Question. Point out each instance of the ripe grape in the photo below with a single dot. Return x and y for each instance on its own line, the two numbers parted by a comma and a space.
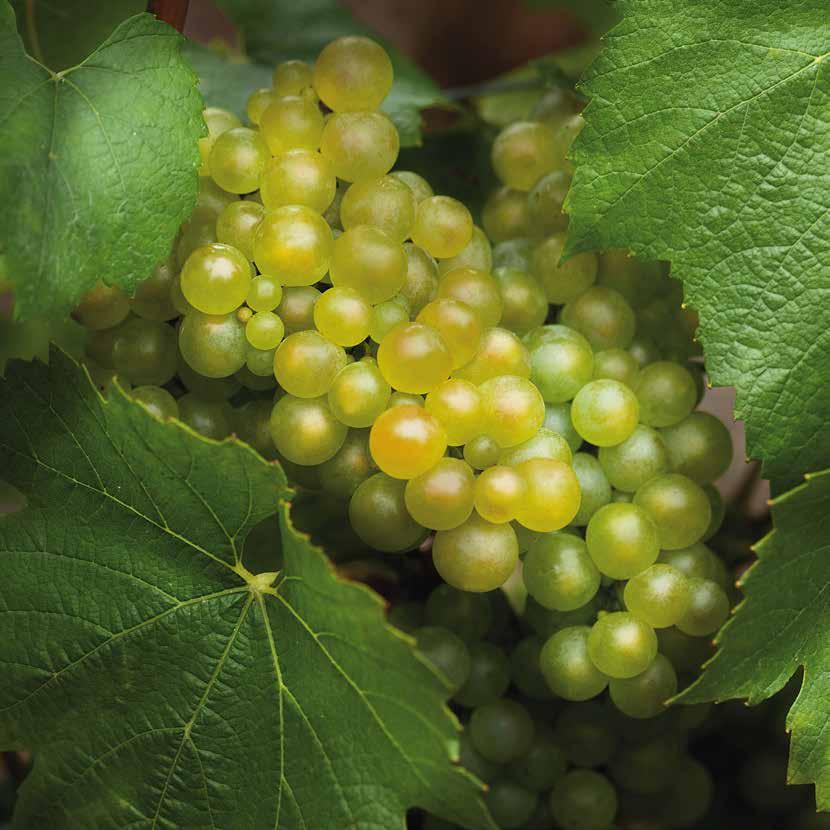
524, 306
296, 307
360, 145
386, 316
666, 392
291, 77
458, 325
305, 430
378, 514
236, 226
560, 367
659, 595
264, 331
420, 284
498, 492
476, 254
144, 351
559, 573
523, 152
385, 203
104, 307
237, 159
218, 121
634, 461
342, 316
291, 122
544, 444
159, 401
707, 610
481, 452
414, 358
298, 177
442, 497
476, 289
500, 352
358, 394
552, 494
562, 282
457, 404
678, 507
369, 261
152, 299
502, 731
420, 187
699, 446
443, 226
596, 491
265, 293
513, 409
349, 467
605, 412
567, 668
257, 102
603, 316
622, 540
621, 646
645, 695
616, 364
406, 441
212, 419
352, 73
306, 364
505, 215
447, 652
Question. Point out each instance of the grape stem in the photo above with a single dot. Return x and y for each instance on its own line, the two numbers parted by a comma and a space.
173, 12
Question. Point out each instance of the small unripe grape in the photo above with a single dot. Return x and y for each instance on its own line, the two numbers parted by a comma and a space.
306, 364
265, 293
502, 731
104, 307
707, 610
214, 346
558, 572
513, 409
499, 491
305, 430
387, 316
457, 404
264, 330
386, 203
369, 261
523, 152
524, 306
260, 362
291, 77
447, 652
152, 299
699, 447
157, 400
476, 254
216, 278
553, 494
584, 800
296, 307
257, 103
596, 491
666, 392
546, 200
378, 514
298, 177
489, 673
358, 394
406, 441
621, 646
616, 364
218, 121
421, 282
420, 187
659, 595
678, 507
414, 358
644, 351
567, 668
212, 419
291, 122
622, 540
560, 367
543, 444
603, 316
477, 555
481, 452
505, 215
476, 289
443, 226
500, 352
468, 615
237, 225
633, 462
442, 497
562, 281
343, 316
345, 471
352, 73
458, 325
360, 145
237, 160
558, 419
605, 412
293, 244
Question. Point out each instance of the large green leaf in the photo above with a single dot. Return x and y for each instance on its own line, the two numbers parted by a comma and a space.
99, 162
784, 623
707, 143
158, 681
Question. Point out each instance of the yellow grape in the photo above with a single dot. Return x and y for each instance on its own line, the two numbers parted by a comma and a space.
414, 358
291, 123
368, 260
442, 497
237, 160
406, 441
500, 352
306, 364
443, 226
216, 278
458, 325
291, 77
513, 409
478, 289
456, 403
499, 491
386, 203
352, 73
553, 494
257, 103
343, 316
360, 145
298, 177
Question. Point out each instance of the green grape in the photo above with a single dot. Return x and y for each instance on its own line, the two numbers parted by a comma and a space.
406, 441
208, 389
442, 497
212, 200
265, 293
477, 555
443, 226
524, 152
603, 316
525, 538
157, 400
385, 317
459, 327
407, 616
199, 230
544, 444
476, 254
587, 734
403, 399
645, 695
385, 203
558, 572
500, 352
686, 653
212, 419
447, 653
471, 759
260, 362
291, 122
708, 608
237, 159
294, 245
565, 133
605, 412
699, 447
553, 494
502, 731
552, 333
420, 284
567, 668
659, 595
561, 367
616, 364
542, 818
584, 800
631, 463
511, 805
343, 316
370, 262
562, 282
360, 145
378, 514
104, 307
358, 394
420, 187
218, 121
542, 765
468, 615
352, 73
558, 419
621, 646
144, 352
291, 77
513, 409
349, 467
689, 796
264, 330
177, 299
637, 280
546, 623
481, 452
666, 392
237, 225
251, 423
216, 278
505, 215
305, 431
152, 296
545, 202
524, 305
596, 491
498, 492
476, 289
678, 507
298, 177
257, 102
718, 511
296, 307
644, 350
414, 358
252, 381
488, 678
514, 253
620, 497
696, 561
622, 540
457, 404
306, 364
647, 768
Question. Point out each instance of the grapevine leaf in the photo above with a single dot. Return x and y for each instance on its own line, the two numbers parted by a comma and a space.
155, 678
99, 163
784, 623
158, 680
707, 143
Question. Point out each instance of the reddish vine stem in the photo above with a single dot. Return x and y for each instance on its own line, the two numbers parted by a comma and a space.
173, 12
